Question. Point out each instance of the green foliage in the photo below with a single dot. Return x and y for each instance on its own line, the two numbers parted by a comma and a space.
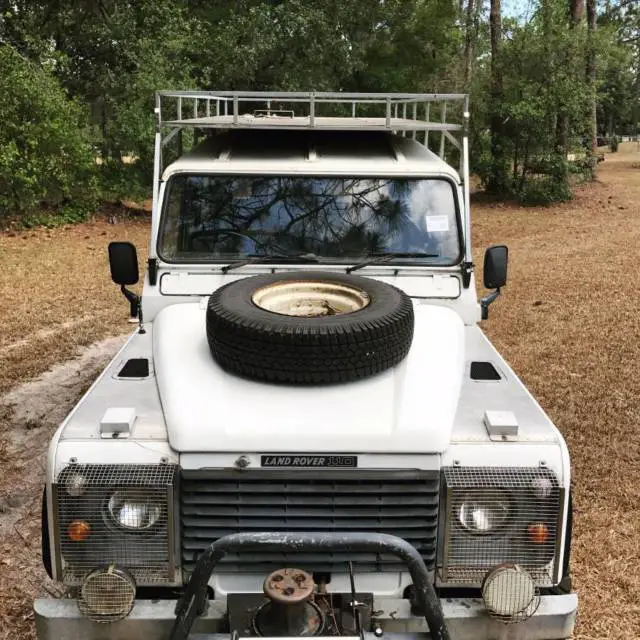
71, 213
365, 45
76, 71
547, 182
544, 191
544, 108
619, 57
45, 154
123, 180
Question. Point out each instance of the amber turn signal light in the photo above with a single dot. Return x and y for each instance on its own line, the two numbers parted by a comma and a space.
78, 530
538, 533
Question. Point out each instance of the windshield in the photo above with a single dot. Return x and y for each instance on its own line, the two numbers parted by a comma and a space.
221, 218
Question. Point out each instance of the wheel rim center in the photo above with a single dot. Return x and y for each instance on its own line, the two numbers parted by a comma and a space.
310, 299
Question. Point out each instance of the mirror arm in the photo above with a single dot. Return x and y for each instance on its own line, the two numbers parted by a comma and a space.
486, 301
134, 301
135, 309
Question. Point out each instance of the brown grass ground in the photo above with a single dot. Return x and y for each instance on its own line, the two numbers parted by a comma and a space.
568, 322
57, 294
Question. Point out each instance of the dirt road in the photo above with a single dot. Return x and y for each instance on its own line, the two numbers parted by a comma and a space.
568, 323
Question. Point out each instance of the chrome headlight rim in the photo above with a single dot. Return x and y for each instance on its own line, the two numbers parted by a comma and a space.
137, 495
488, 496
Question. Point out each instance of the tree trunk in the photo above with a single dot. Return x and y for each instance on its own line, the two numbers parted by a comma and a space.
469, 37
576, 10
497, 179
592, 146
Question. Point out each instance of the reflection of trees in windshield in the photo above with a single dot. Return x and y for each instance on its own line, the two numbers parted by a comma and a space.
219, 217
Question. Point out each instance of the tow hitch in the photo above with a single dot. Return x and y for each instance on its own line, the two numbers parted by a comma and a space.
289, 609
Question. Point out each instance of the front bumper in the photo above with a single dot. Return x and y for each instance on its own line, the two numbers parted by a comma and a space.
466, 618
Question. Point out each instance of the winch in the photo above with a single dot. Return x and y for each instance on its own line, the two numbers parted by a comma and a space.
289, 610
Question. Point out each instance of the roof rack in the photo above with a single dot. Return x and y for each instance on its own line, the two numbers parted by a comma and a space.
408, 114
399, 112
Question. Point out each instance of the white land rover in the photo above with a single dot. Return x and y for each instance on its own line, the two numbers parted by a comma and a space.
308, 433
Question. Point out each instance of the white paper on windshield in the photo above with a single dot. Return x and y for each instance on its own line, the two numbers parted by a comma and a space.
437, 223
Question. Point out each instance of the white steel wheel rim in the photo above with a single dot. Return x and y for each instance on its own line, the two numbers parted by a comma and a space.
310, 299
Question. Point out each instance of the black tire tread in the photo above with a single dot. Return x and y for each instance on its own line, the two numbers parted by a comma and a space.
259, 345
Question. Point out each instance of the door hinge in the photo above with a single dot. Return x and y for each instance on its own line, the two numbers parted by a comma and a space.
153, 270
467, 270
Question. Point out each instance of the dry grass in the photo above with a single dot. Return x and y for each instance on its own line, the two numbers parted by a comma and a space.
57, 294
568, 323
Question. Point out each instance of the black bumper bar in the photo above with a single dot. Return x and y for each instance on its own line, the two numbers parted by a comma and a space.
193, 600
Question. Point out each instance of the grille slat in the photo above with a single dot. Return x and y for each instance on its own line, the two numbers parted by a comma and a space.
402, 529
398, 501
305, 511
326, 488
217, 503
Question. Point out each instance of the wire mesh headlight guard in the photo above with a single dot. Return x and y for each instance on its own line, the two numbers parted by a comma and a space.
116, 514
496, 515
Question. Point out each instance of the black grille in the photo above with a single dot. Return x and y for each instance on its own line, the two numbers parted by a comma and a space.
217, 503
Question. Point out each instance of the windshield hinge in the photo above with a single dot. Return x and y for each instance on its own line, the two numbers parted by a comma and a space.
467, 270
152, 263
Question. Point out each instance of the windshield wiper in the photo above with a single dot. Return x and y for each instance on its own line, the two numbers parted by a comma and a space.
375, 258
271, 258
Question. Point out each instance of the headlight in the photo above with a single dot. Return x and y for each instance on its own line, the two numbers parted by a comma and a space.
484, 513
134, 510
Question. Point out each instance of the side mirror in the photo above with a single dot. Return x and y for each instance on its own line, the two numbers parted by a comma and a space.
495, 266
123, 262
495, 274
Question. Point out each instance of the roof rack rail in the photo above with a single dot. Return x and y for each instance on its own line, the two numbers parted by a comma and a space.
399, 112
406, 114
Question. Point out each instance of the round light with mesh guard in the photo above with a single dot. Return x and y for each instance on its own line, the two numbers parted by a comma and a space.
510, 594
107, 594
134, 510
484, 513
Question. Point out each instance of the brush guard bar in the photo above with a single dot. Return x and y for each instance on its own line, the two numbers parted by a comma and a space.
193, 600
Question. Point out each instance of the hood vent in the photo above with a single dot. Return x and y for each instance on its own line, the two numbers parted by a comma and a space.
135, 368
484, 371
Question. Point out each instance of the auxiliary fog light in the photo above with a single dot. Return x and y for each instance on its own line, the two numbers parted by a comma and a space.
107, 594
510, 594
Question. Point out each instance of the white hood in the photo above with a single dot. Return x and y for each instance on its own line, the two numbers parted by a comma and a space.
407, 409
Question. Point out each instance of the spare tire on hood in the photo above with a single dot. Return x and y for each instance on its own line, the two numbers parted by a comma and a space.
308, 327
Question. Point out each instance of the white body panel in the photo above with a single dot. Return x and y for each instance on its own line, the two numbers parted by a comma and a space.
407, 409
416, 285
